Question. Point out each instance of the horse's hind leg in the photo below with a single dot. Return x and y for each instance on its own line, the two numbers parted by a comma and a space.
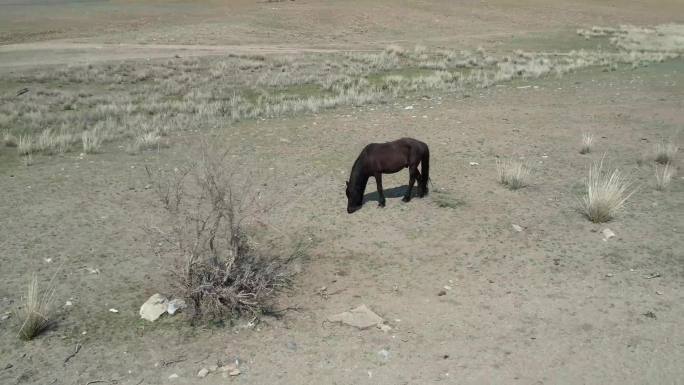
381, 194
413, 174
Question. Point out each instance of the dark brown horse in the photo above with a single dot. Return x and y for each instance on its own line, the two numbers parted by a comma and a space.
387, 158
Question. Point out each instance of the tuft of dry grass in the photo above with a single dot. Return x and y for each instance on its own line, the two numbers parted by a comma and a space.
91, 142
46, 142
9, 140
665, 152
606, 193
587, 143
36, 309
513, 173
664, 176
149, 140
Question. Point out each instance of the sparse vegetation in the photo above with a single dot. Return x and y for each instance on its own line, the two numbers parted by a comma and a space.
217, 270
35, 314
587, 142
513, 173
606, 193
195, 94
663, 175
665, 152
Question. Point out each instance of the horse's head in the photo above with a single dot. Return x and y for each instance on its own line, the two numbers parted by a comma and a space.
354, 199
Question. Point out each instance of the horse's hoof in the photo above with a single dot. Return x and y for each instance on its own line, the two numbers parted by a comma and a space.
406, 199
381, 204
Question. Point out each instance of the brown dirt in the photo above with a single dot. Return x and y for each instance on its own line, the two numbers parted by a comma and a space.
551, 304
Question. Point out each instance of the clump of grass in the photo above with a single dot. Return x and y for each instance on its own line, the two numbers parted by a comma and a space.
91, 142
25, 145
149, 140
9, 140
665, 152
664, 176
587, 142
606, 193
25, 149
46, 142
446, 200
36, 310
513, 173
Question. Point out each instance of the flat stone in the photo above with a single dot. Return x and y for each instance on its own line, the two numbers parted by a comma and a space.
607, 234
154, 307
234, 372
361, 317
203, 373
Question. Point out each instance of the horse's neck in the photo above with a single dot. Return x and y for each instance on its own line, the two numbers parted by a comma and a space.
360, 179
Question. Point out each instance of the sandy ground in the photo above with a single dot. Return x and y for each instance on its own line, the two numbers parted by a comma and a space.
554, 303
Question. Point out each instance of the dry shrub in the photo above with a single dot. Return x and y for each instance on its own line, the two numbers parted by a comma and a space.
606, 194
664, 176
216, 270
35, 312
665, 152
587, 142
513, 173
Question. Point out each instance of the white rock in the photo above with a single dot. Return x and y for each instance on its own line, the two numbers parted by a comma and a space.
203, 373
173, 376
607, 234
385, 328
175, 305
154, 307
474, 164
112, 310
68, 303
408, 107
227, 367
517, 228
384, 354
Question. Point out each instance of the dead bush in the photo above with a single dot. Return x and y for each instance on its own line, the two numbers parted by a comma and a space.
215, 268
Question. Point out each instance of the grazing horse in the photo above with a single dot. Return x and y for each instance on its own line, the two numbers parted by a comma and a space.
387, 158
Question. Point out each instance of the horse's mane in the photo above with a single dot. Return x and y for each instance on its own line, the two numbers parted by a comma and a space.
357, 180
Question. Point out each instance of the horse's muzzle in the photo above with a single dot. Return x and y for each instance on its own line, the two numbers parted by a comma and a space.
351, 209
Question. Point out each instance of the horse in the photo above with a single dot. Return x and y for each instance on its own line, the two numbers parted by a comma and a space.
388, 158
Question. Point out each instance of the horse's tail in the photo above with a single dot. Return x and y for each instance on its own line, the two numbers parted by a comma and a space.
425, 170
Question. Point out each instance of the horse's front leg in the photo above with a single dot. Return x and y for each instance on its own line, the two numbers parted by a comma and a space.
412, 180
381, 194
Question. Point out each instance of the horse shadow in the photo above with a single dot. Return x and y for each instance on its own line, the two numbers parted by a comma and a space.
394, 192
